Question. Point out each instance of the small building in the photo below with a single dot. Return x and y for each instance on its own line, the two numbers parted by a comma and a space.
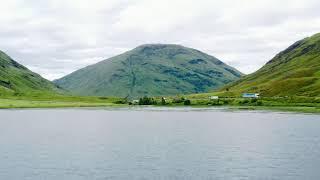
250, 95
214, 97
135, 102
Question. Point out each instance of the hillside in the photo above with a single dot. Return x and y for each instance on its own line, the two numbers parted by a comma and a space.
17, 79
153, 70
294, 71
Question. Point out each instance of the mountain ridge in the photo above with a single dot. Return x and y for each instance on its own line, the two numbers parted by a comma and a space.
151, 69
17, 79
293, 71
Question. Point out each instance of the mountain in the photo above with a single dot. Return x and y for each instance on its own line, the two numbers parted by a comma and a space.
15, 78
152, 70
294, 71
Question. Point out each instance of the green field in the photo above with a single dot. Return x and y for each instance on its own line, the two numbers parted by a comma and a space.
295, 104
58, 102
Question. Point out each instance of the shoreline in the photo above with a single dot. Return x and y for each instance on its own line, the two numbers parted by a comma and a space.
38, 104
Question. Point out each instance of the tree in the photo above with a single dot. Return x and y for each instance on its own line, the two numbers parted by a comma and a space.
187, 102
178, 100
146, 101
163, 101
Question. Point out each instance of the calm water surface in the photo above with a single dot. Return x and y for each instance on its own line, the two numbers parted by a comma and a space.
88, 144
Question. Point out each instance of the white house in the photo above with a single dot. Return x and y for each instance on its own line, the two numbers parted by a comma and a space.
250, 95
135, 102
214, 97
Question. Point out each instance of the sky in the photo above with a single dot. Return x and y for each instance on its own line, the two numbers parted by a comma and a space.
56, 37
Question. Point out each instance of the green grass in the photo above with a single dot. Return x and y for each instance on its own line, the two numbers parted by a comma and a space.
12, 103
294, 103
293, 72
58, 102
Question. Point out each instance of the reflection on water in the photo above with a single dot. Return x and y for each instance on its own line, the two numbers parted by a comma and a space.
156, 143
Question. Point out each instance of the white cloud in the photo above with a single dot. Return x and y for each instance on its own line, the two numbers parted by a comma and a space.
56, 37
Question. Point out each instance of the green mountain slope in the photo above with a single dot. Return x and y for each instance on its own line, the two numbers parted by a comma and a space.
17, 79
154, 69
294, 71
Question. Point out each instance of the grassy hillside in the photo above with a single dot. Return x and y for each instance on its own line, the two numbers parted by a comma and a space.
16, 79
151, 70
293, 72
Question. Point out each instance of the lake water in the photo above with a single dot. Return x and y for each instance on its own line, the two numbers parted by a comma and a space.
153, 143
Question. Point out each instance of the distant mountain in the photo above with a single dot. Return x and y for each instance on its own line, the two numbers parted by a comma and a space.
153, 70
294, 71
15, 78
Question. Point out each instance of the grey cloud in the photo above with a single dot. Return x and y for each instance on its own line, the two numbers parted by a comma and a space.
55, 37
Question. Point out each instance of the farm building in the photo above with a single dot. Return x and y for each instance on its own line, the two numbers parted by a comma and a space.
213, 97
250, 95
135, 102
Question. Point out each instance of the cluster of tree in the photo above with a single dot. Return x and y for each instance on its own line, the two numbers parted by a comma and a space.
187, 102
254, 102
216, 102
151, 101
181, 100
178, 100
147, 101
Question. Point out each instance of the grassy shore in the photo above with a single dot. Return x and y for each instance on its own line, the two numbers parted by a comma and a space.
292, 104
299, 109
58, 102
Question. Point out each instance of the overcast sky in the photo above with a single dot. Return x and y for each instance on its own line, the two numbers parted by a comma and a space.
56, 37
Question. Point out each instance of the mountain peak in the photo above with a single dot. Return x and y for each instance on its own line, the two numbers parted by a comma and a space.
152, 70
159, 45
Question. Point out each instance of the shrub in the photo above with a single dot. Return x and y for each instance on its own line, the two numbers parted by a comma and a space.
229, 101
259, 103
163, 101
147, 101
201, 102
187, 102
246, 101
254, 100
103, 98
225, 101
178, 100
121, 101
215, 102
